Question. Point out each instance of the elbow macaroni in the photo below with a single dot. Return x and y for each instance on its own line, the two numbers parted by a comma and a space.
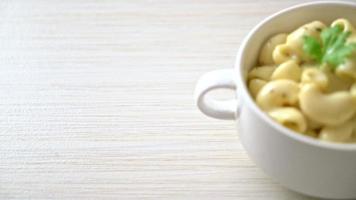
255, 86
347, 69
329, 109
287, 70
266, 51
289, 117
263, 73
345, 24
341, 133
277, 94
303, 97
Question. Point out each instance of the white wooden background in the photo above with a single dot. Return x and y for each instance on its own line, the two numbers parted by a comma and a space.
96, 100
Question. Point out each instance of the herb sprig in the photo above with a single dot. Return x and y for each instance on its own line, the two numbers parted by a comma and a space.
332, 49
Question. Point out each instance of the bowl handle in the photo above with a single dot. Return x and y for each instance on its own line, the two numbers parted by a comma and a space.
220, 109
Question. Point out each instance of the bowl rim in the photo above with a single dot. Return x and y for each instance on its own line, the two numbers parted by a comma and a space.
241, 84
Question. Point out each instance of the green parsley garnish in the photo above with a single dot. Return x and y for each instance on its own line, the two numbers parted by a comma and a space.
332, 49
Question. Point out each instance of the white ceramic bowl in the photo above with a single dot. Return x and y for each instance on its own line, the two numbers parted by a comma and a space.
303, 164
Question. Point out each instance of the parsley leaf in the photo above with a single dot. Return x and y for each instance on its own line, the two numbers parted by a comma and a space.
313, 48
332, 49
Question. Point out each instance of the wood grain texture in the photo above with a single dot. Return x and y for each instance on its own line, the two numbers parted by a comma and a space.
96, 100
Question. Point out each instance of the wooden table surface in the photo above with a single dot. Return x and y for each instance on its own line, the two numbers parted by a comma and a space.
96, 100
